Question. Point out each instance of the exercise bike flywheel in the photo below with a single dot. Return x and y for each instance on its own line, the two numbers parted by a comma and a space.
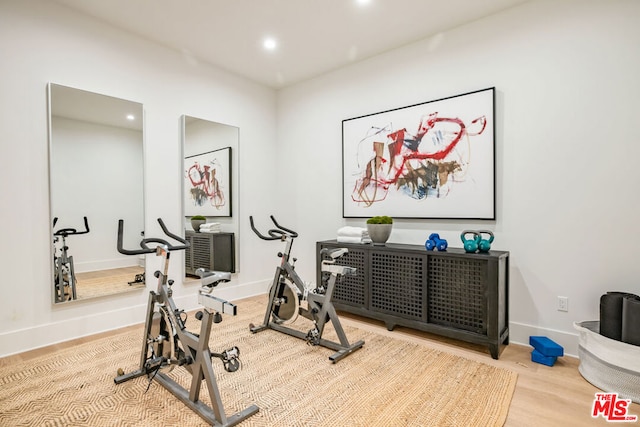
286, 304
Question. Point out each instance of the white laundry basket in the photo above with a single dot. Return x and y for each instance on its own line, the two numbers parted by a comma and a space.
612, 366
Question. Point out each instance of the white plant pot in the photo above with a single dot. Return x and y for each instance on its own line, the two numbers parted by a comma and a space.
196, 223
379, 233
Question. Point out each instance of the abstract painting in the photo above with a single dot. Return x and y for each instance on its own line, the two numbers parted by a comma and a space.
430, 160
207, 183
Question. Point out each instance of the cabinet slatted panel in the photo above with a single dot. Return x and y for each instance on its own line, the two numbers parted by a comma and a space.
201, 253
211, 251
187, 253
396, 284
456, 293
349, 289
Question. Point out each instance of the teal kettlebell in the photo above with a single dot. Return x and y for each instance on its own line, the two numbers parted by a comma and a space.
470, 245
485, 244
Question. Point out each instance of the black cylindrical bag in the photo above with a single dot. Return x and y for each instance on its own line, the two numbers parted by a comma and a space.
611, 314
631, 320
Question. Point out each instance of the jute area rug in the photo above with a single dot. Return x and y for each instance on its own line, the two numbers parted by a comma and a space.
389, 382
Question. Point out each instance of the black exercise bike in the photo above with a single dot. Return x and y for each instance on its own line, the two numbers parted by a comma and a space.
288, 292
167, 343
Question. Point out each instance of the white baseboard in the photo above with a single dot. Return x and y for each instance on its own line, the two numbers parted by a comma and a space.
519, 333
43, 335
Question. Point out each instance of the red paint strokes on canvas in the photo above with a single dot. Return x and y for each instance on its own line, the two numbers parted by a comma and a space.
410, 165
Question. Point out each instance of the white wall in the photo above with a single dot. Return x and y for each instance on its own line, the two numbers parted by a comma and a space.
566, 75
41, 42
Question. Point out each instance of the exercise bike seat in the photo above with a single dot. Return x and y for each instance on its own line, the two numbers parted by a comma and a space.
211, 279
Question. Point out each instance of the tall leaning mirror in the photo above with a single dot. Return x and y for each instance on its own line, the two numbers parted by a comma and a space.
210, 195
95, 178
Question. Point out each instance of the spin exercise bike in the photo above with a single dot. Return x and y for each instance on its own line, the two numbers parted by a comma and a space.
288, 291
64, 274
167, 343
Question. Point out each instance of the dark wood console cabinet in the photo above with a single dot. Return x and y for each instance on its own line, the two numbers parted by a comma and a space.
213, 251
451, 293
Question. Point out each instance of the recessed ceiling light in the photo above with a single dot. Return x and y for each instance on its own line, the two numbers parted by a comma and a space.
130, 117
363, 2
270, 43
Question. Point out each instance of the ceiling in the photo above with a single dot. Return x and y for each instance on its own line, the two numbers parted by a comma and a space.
313, 36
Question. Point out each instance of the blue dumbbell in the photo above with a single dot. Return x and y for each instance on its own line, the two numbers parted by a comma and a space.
435, 242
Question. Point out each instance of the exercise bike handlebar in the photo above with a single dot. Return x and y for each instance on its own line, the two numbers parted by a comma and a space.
277, 233
144, 243
70, 231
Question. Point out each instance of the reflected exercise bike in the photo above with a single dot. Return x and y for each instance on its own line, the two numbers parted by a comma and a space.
64, 273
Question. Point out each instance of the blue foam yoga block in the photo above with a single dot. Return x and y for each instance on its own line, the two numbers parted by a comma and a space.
546, 346
538, 357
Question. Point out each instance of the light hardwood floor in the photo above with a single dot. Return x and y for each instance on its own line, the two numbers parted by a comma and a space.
544, 396
100, 283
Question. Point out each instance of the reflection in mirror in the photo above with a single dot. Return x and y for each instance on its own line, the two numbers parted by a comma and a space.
95, 179
210, 183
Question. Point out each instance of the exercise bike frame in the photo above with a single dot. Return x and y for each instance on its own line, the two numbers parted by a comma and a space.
197, 355
320, 308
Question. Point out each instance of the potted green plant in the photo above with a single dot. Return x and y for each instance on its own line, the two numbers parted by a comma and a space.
379, 229
197, 221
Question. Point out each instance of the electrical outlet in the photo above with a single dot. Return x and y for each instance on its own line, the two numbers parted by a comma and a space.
563, 304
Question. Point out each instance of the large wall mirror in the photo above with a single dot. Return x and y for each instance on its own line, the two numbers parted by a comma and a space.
95, 172
210, 190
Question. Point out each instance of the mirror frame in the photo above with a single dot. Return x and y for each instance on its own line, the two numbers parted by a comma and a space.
82, 116
233, 220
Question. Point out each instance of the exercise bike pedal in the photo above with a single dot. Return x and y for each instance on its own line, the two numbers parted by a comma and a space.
313, 337
230, 359
231, 365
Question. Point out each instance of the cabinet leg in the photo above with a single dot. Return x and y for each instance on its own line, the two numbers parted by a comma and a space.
494, 349
390, 326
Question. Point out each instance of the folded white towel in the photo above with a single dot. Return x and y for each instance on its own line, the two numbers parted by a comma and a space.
348, 239
210, 226
348, 231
